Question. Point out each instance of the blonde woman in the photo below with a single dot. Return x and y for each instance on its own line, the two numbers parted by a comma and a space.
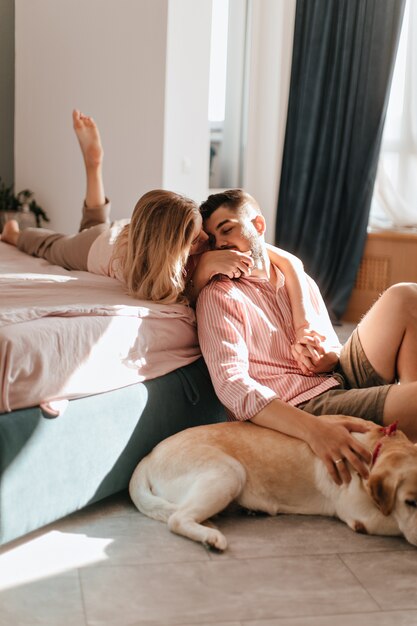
161, 254
151, 253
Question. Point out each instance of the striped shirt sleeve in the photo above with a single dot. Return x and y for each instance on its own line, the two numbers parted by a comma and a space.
221, 332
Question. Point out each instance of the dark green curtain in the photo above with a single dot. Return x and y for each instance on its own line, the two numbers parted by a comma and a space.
343, 59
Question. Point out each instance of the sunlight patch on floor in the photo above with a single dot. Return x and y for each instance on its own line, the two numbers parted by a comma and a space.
51, 554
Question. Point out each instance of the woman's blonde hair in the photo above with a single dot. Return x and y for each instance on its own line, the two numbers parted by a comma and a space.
152, 250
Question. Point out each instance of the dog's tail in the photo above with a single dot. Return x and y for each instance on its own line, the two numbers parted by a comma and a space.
148, 503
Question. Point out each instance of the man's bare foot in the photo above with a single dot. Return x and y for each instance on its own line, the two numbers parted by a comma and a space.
10, 232
89, 139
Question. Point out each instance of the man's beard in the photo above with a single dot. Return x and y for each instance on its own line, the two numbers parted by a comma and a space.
256, 246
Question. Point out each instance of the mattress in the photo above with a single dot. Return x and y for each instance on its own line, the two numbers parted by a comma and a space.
65, 335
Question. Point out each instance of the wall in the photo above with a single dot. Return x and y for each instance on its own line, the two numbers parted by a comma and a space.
141, 68
270, 71
109, 59
186, 146
6, 90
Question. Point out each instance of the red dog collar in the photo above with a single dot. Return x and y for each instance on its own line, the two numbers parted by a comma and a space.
387, 431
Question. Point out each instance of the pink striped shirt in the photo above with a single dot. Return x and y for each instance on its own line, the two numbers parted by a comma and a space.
245, 330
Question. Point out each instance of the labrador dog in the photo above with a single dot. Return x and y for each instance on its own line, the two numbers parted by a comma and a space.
195, 474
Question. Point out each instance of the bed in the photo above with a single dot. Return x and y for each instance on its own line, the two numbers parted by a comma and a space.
91, 380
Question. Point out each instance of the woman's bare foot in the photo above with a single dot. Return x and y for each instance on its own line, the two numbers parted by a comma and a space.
10, 232
92, 150
89, 139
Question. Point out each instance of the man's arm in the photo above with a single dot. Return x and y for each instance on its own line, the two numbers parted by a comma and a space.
328, 436
221, 334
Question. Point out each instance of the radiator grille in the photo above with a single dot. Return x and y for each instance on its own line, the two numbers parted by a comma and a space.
373, 274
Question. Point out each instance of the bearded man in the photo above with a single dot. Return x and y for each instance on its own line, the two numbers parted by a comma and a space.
258, 364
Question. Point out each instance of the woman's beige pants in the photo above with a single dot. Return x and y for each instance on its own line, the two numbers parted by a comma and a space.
68, 251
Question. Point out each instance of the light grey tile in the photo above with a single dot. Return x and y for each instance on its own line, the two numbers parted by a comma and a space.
162, 623
344, 331
116, 506
390, 577
49, 601
211, 624
136, 539
131, 537
379, 618
189, 593
260, 536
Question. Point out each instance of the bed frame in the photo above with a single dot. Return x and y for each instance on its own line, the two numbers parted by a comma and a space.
51, 467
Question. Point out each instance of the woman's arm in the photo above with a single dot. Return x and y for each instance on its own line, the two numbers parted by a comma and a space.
297, 286
316, 347
307, 339
231, 263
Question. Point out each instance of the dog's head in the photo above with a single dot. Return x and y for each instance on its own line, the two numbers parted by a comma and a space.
393, 485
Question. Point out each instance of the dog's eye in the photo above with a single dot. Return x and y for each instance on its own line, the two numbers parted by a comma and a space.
412, 503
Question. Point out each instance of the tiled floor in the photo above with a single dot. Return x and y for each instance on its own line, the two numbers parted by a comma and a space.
109, 565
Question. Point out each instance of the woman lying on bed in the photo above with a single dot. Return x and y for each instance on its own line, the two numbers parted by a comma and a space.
161, 253
152, 253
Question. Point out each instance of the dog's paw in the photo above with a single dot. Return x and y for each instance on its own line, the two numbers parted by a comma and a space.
215, 541
359, 527
250, 512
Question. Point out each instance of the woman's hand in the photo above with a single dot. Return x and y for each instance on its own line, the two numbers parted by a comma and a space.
311, 353
231, 263
331, 440
307, 349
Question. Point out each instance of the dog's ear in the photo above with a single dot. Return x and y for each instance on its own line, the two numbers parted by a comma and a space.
383, 487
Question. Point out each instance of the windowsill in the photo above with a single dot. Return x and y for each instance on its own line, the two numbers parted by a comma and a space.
393, 233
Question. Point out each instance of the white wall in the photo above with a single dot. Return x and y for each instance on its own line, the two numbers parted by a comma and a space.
6, 90
109, 58
269, 72
141, 68
187, 138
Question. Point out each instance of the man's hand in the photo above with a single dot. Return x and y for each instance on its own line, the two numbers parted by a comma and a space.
311, 353
331, 440
329, 436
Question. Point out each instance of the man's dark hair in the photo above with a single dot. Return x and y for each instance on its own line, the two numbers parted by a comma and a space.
234, 199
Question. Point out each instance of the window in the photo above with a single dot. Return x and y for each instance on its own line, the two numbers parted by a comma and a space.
228, 80
218, 63
394, 204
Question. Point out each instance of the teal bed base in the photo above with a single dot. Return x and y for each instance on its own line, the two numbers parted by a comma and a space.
51, 467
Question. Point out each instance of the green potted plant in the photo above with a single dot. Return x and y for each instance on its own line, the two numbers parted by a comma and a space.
16, 206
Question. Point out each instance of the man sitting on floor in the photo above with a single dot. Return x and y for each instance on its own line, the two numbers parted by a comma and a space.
262, 373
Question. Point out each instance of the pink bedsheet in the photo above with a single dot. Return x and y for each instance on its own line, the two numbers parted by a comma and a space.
69, 334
